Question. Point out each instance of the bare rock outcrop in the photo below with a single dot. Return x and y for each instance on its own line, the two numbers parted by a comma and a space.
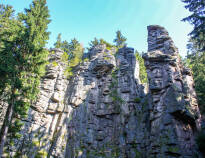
174, 114
46, 118
102, 111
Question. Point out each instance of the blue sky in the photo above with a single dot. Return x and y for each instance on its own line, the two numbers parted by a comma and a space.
86, 19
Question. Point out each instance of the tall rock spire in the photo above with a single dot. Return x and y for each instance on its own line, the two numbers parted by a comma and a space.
174, 113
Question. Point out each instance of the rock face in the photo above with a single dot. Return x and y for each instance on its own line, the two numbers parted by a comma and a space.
103, 110
46, 118
174, 114
3, 109
105, 122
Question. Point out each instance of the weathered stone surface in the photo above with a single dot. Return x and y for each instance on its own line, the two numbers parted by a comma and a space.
46, 120
3, 109
99, 124
175, 115
103, 110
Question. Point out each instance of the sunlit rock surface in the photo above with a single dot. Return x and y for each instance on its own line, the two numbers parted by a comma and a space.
103, 110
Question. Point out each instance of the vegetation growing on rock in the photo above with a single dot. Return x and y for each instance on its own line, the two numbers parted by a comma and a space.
142, 73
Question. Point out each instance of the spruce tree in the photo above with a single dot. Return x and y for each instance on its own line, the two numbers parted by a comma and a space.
65, 46
11, 61
22, 45
197, 19
36, 20
120, 40
96, 42
58, 43
196, 47
74, 56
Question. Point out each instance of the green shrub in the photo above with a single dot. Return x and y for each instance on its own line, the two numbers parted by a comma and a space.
137, 100
41, 154
65, 57
86, 60
54, 63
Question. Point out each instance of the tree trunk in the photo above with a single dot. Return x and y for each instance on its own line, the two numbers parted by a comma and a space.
5, 127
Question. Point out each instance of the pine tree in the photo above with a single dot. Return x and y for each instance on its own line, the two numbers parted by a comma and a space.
94, 43
196, 47
73, 44
197, 19
58, 43
65, 46
101, 41
120, 39
36, 20
74, 56
75, 52
11, 61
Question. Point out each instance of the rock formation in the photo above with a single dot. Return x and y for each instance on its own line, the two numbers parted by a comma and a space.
46, 118
174, 114
103, 110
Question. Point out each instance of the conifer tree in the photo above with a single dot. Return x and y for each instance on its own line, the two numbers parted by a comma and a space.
65, 46
75, 53
120, 40
196, 47
23, 47
36, 20
11, 61
58, 43
197, 19
96, 42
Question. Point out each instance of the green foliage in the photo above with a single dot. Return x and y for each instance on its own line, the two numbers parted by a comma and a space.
65, 57
137, 100
36, 20
196, 61
54, 63
94, 43
120, 40
100, 41
114, 93
73, 57
22, 59
108, 45
173, 149
143, 72
196, 47
41, 154
58, 43
197, 19
85, 60
63, 45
